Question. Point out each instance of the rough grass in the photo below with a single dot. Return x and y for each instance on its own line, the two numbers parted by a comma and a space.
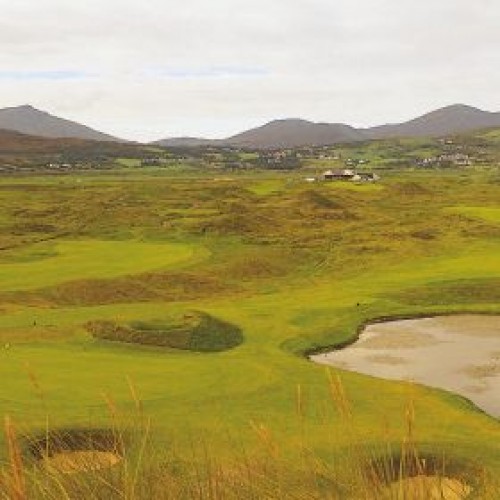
165, 286
489, 214
481, 291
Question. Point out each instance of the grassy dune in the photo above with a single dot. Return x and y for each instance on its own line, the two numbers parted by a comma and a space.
295, 267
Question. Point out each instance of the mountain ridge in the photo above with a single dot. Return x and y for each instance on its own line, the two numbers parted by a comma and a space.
278, 133
296, 132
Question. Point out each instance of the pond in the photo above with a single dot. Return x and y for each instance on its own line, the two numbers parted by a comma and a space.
458, 353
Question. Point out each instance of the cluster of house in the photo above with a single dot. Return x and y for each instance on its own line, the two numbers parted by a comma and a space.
456, 159
345, 175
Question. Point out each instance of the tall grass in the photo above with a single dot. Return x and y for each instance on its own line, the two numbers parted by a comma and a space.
144, 470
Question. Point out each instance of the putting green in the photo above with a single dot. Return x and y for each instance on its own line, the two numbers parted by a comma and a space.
94, 259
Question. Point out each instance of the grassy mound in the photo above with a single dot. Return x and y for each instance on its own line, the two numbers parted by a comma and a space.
163, 285
193, 331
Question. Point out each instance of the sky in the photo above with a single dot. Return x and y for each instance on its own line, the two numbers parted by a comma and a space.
151, 69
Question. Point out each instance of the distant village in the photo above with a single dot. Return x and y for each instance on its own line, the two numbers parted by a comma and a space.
348, 162
452, 156
444, 160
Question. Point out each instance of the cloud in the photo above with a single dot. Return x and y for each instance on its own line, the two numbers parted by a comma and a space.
154, 68
43, 75
208, 72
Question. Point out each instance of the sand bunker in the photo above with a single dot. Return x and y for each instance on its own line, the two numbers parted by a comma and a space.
71, 462
491, 369
470, 325
405, 339
69, 451
386, 359
458, 353
424, 487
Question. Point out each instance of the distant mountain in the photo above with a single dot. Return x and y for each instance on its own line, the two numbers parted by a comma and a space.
295, 133
289, 133
29, 120
445, 121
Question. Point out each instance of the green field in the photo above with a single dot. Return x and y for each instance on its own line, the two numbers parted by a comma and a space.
296, 267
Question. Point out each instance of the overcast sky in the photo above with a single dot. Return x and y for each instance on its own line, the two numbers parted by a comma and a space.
157, 68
